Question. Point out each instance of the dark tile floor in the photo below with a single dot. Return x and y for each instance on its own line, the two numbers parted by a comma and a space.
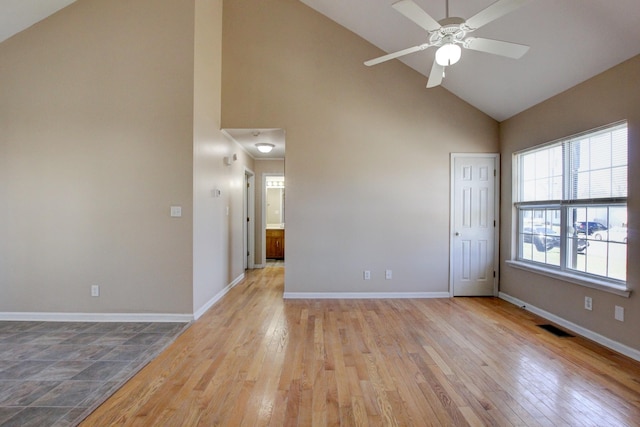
56, 373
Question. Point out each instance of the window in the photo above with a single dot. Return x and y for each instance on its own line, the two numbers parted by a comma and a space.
571, 204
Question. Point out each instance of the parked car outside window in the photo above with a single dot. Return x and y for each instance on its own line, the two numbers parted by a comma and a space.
545, 239
589, 228
542, 238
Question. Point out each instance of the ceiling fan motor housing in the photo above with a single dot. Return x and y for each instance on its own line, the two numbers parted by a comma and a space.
452, 30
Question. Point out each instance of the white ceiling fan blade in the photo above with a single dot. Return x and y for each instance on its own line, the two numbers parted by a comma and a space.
496, 47
397, 54
415, 13
493, 12
435, 77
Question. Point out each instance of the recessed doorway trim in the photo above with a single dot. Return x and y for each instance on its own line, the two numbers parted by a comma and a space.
248, 235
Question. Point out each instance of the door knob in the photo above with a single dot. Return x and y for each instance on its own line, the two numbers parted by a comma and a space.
457, 234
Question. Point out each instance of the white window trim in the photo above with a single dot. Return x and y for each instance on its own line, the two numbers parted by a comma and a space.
589, 281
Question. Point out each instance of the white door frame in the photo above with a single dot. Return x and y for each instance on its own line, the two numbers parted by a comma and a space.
264, 213
496, 235
249, 219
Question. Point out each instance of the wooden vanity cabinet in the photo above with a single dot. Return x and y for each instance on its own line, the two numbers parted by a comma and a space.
275, 244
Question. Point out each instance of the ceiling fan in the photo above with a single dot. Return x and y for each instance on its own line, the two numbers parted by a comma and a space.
450, 33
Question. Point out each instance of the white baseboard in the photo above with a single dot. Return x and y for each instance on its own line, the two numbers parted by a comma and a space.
96, 317
600, 339
117, 317
364, 295
198, 313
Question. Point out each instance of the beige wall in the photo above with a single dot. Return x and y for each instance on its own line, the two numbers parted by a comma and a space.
96, 144
262, 168
367, 148
217, 236
607, 98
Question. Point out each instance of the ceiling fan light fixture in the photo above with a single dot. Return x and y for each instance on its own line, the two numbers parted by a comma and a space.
448, 54
264, 147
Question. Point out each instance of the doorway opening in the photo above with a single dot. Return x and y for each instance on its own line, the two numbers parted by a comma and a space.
266, 147
274, 217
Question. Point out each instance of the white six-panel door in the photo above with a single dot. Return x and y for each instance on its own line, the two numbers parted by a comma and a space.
474, 225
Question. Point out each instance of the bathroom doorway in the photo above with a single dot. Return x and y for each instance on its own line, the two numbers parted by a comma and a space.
274, 217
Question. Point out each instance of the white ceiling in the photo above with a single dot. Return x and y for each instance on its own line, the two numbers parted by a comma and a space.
571, 41
248, 138
17, 15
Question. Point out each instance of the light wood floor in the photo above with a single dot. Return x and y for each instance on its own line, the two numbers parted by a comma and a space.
255, 359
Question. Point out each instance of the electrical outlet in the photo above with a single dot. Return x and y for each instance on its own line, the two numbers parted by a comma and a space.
388, 274
619, 313
367, 275
588, 303
95, 290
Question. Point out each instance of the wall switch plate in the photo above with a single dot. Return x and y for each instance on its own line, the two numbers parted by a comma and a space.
619, 313
388, 274
95, 290
176, 211
367, 275
588, 303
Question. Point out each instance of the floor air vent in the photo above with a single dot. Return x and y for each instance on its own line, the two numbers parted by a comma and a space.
556, 331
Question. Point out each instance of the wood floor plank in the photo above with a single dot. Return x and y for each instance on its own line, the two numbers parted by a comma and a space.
256, 359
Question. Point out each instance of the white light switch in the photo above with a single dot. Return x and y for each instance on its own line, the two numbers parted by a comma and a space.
176, 211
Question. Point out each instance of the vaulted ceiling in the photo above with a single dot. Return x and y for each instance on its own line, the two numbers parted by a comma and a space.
18, 15
570, 41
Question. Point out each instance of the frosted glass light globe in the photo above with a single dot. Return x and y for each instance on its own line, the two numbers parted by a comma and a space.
448, 54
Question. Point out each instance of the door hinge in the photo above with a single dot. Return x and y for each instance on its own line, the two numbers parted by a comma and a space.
494, 274
494, 222
494, 172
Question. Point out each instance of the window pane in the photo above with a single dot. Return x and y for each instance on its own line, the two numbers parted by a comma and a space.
598, 164
596, 258
600, 150
619, 147
600, 185
539, 236
617, 262
596, 244
580, 185
541, 174
619, 181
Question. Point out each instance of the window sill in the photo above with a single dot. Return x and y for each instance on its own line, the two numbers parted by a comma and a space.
592, 283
